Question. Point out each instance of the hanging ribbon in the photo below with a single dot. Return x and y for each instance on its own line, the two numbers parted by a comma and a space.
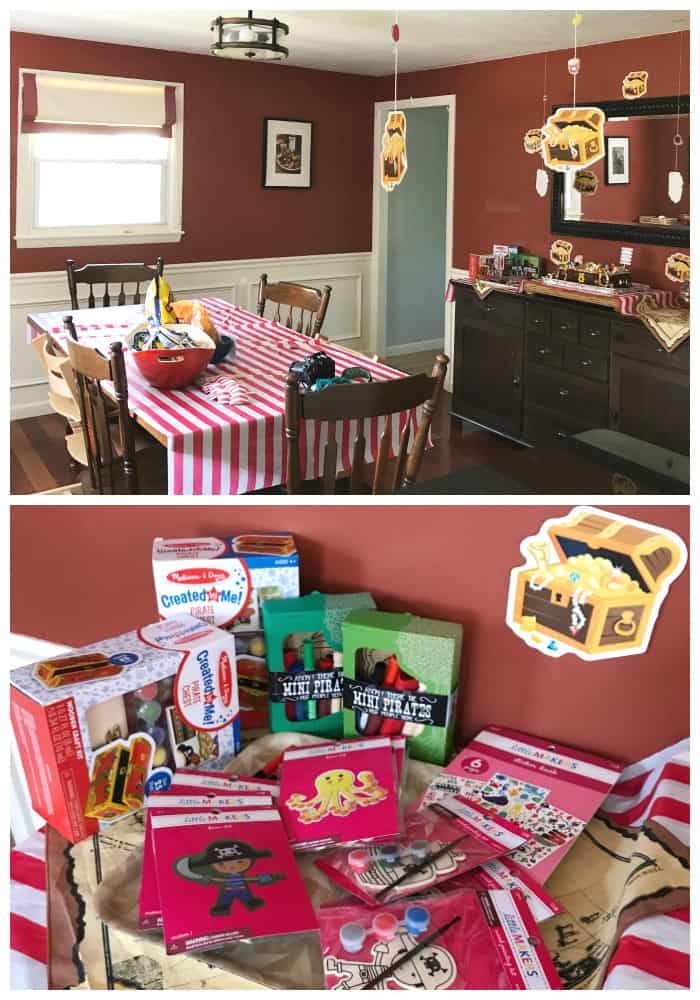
393, 153
675, 177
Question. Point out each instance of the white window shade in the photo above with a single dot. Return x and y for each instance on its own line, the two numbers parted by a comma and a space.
72, 102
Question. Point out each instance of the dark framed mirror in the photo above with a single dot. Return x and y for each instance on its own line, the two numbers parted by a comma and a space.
631, 202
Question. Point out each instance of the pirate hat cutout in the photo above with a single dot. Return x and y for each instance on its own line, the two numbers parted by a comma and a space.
226, 850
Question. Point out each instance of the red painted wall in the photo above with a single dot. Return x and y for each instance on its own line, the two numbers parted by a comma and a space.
226, 212
495, 197
79, 574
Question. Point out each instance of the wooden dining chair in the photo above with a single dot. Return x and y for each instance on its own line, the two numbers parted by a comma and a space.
357, 402
112, 447
311, 303
106, 274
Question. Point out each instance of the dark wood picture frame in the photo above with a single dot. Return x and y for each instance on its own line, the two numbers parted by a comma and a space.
265, 163
607, 173
620, 232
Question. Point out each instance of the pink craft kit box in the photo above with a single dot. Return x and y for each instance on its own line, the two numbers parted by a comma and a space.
340, 793
552, 791
237, 874
181, 800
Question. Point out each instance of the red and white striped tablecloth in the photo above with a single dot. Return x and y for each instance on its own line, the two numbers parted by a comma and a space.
219, 448
653, 953
28, 937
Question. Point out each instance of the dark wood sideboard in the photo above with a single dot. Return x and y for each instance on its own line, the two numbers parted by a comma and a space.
538, 369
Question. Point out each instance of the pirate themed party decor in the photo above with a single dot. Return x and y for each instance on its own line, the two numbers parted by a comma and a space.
532, 142
634, 84
585, 182
394, 162
675, 177
239, 876
593, 584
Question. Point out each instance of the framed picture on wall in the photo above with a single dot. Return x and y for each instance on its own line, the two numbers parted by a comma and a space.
617, 159
286, 153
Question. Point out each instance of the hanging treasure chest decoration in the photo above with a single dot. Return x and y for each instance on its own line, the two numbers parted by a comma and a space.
573, 137
394, 162
593, 584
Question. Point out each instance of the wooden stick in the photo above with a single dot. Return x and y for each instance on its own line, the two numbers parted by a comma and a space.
410, 954
420, 865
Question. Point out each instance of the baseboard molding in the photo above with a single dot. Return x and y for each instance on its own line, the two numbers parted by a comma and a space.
395, 351
236, 281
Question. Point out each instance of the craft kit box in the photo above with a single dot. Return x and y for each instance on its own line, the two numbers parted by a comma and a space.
400, 676
304, 642
225, 581
597, 585
93, 726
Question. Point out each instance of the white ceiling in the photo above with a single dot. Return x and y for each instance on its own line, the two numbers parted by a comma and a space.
358, 41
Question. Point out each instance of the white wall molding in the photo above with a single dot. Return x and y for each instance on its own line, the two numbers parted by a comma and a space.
347, 321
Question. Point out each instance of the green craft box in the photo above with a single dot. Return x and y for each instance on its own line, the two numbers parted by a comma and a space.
322, 615
428, 654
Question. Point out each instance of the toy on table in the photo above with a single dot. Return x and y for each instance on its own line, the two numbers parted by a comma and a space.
438, 844
304, 642
453, 941
401, 675
225, 581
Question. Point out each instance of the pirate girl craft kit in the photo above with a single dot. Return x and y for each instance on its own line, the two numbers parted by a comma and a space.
456, 941
550, 790
401, 674
225, 581
304, 643
182, 804
90, 747
339, 793
238, 875
438, 843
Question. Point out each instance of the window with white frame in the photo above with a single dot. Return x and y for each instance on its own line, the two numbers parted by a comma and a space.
99, 160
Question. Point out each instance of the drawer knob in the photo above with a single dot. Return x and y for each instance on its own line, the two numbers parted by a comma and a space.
516, 380
562, 434
538, 322
594, 333
544, 351
586, 363
564, 326
563, 393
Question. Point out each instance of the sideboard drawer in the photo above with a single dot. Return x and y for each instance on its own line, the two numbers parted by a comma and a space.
573, 398
583, 361
538, 317
495, 309
565, 322
595, 331
634, 340
542, 349
543, 427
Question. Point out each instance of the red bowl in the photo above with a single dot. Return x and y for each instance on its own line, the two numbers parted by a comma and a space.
174, 368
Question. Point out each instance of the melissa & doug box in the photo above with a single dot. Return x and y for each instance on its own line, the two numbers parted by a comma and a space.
401, 674
98, 727
304, 642
224, 581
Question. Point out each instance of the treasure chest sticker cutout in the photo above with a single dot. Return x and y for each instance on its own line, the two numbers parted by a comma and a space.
593, 584
393, 158
634, 84
118, 778
573, 137
532, 140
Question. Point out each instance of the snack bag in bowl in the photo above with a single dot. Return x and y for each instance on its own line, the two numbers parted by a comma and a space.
195, 314
158, 304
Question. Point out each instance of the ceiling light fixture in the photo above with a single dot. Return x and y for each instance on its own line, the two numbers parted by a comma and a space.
249, 38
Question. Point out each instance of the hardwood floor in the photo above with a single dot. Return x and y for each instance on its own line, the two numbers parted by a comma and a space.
39, 460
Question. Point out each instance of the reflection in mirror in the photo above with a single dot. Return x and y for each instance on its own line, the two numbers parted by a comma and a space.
631, 183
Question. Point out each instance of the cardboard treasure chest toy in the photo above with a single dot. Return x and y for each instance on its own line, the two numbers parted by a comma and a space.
593, 585
573, 137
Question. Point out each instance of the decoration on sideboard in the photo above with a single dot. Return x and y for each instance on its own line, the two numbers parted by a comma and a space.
592, 584
394, 162
582, 272
677, 269
560, 252
585, 182
634, 84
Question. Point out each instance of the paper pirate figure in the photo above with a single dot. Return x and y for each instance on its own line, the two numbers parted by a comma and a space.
225, 863
431, 969
394, 161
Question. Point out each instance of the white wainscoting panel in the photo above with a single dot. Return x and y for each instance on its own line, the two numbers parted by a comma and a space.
347, 320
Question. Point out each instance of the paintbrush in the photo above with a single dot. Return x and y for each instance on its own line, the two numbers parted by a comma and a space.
420, 865
409, 954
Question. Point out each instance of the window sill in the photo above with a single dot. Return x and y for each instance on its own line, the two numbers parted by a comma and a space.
106, 239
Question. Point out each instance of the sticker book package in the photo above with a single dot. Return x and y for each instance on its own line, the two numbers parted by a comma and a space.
453, 941
401, 675
339, 793
237, 874
96, 725
304, 641
225, 581
552, 791
440, 842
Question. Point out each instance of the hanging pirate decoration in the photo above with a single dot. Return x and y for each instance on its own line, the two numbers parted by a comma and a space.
394, 162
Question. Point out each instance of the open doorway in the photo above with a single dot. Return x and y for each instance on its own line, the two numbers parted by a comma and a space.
412, 236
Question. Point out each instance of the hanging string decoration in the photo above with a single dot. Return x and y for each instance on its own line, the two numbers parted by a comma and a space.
394, 162
574, 137
532, 141
675, 177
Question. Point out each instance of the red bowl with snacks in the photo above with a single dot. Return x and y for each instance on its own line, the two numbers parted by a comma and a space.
173, 368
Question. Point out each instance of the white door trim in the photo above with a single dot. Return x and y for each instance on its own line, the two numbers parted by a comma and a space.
380, 214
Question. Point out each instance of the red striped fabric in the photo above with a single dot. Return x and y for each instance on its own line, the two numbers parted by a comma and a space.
221, 449
28, 935
653, 953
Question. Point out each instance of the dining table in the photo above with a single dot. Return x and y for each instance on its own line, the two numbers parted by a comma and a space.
222, 448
